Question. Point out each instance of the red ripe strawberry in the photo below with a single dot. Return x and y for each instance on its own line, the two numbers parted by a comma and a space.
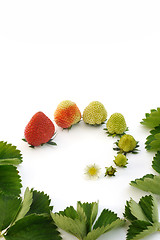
39, 130
67, 114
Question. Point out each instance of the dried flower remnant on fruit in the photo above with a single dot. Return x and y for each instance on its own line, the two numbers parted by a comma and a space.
67, 114
120, 160
92, 171
116, 124
110, 171
95, 113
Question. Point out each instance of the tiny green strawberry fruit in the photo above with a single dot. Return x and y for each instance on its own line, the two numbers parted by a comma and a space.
95, 113
110, 171
121, 160
116, 124
127, 143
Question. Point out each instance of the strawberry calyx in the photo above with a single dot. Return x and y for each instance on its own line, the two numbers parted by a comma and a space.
119, 150
50, 142
115, 134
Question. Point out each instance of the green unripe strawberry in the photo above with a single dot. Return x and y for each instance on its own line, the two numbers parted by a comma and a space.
110, 171
127, 143
94, 113
120, 160
116, 124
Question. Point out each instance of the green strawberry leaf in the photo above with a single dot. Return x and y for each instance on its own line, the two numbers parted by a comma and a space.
148, 183
95, 233
143, 217
152, 119
72, 226
150, 208
37, 227
156, 162
9, 207
88, 211
70, 212
40, 203
106, 222
9, 154
140, 229
10, 182
127, 214
137, 211
153, 140
27, 201
80, 222
107, 219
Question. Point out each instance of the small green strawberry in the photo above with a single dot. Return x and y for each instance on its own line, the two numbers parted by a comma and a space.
126, 144
121, 160
110, 171
116, 124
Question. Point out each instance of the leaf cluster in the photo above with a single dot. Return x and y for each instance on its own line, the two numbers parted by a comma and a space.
152, 121
27, 217
81, 224
150, 182
143, 217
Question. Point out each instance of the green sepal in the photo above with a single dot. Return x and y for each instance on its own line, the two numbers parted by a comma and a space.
115, 134
148, 183
37, 227
10, 181
9, 154
152, 119
50, 142
9, 207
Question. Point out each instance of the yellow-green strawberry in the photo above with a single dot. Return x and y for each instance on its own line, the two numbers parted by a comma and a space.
116, 124
120, 160
127, 143
67, 114
94, 113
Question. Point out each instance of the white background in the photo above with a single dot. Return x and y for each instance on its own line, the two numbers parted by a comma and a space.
82, 51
